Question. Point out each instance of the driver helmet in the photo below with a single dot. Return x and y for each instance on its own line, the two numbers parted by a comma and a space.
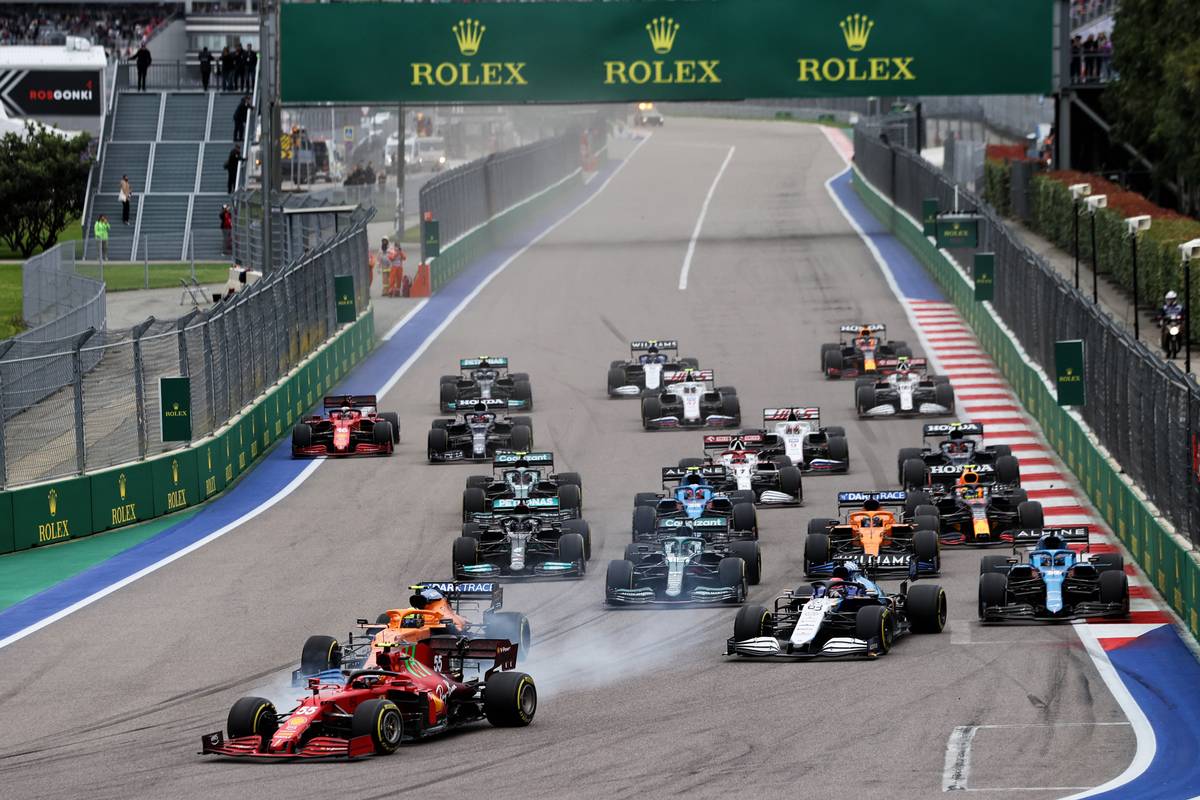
840, 572
345, 411
864, 332
652, 350
903, 367
1171, 296
424, 597
968, 478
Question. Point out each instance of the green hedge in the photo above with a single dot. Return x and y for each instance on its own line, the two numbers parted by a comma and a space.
997, 185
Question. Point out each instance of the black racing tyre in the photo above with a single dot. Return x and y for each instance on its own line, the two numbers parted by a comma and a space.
580, 527
478, 481
751, 553
521, 420
927, 522
779, 461
301, 436
448, 396
865, 398
1008, 470
925, 510
912, 473
831, 359
570, 498
619, 576
939, 379
651, 409
473, 530
1114, 588
816, 550
510, 625
441, 423
632, 553
997, 564
905, 454
914, 499
744, 518
1105, 562
752, 622
509, 699
732, 407
1001, 450
319, 654
448, 379
466, 553
731, 571
791, 482
993, 591
686, 463
839, 447
1018, 496
518, 376
380, 719
644, 521
864, 380
393, 418
571, 547
523, 391
742, 496
569, 479
474, 501
617, 363
835, 430
691, 363
875, 622
438, 441
927, 547
521, 438
1030, 516
926, 607
381, 434
253, 716
821, 525
943, 395
646, 499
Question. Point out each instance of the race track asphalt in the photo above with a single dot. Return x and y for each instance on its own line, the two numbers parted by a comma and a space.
110, 701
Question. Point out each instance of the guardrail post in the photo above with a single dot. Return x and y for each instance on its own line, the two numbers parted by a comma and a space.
139, 390
5, 346
206, 332
180, 324
77, 368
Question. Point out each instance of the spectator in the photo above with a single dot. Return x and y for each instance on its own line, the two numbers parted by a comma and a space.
227, 229
100, 231
143, 65
369, 174
1104, 56
239, 68
251, 65
1076, 58
226, 70
239, 118
126, 194
205, 67
1089, 58
231, 167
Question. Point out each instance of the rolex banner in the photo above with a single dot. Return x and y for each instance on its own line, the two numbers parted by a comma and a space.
175, 401
658, 50
1068, 370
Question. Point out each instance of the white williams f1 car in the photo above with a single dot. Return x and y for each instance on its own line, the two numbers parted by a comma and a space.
688, 400
648, 361
908, 391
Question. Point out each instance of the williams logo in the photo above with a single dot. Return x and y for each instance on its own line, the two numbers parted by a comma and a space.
55, 529
684, 71
856, 32
468, 35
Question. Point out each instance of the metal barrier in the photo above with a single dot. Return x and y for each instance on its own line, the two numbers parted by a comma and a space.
91, 401
1143, 410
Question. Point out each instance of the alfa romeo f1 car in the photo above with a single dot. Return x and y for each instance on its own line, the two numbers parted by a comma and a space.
797, 433
485, 378
350, 426
864, 349
525, 483
522, 546
874, 538
1056, 583
436, 608
975, 513
958, 445
688, 400
683, 570
748, 468
906, 392
476, 434
693, 497
846, 616
418, 690
648, 361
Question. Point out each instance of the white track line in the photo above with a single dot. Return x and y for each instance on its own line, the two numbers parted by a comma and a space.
691, 249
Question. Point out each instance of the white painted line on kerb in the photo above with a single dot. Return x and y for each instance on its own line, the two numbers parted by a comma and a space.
691, 250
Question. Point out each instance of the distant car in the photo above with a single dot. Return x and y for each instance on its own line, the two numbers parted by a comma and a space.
971, 512
648, 360
350, 426
436, 608
749, 468
905, 392
419, 689
522, 545
647, 115
484, 378
682, 570
846, 615
693, 496
797, 434
688, 400
1055, 583
866, 351
878, 540
478, 432
958, 445
525, 481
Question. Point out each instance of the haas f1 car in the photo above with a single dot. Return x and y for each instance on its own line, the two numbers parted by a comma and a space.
1056, 583
750, 468
350, 426
957, 445
873, 537
436, 608
684, 570
485, 378
418, 690
846, 616
866, 351
526, 483
648, 361
688, 400
476, 434
796, 433
906, 392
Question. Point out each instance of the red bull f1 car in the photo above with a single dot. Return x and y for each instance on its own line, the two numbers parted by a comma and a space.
972, 512
350, 426
649, 360
864, 349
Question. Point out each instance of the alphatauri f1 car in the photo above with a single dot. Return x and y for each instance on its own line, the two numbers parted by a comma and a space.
475, 434
957, 445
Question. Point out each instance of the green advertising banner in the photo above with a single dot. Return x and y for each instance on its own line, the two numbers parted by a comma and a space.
431, 239
52, 512
6, 523
1068, 370
958, 230
343, 291
176, 482
175, 406
929, 213
211, 468
661, 50
985, 276
122, 496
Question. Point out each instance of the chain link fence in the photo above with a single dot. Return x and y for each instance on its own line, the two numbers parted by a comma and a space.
1143, 410
91, 400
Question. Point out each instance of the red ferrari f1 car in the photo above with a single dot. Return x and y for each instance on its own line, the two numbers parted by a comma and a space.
418, 690
350, 426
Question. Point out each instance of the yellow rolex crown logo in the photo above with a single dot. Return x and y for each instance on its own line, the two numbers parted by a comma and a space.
662, 34
174, 471
174, 406
856, 28
121, 480
469, 34
52, 497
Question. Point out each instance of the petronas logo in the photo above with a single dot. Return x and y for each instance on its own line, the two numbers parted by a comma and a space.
662, 34
856, 29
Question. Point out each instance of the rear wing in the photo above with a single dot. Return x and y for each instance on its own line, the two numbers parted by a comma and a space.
708, 471
892, 498
517, 458
483, 361
1075, 534
356, 401
461, 590
682, 375
456, 649
873, 327
793, 414
743, 441
659, 344
919, 364
947, 428
959, 469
